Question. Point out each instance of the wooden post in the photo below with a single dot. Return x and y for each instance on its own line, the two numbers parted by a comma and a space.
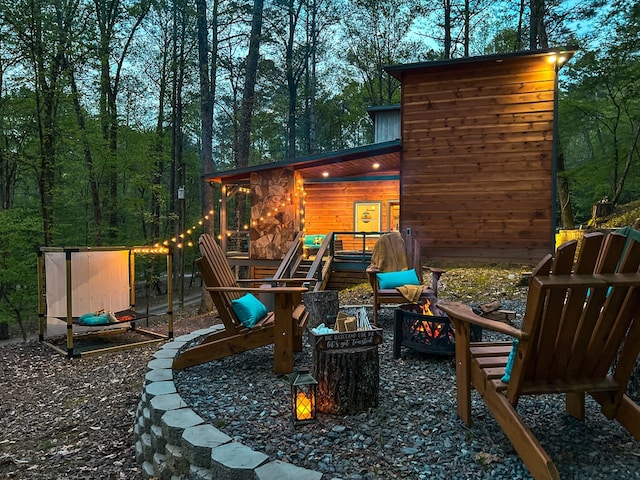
283, 334
348, 379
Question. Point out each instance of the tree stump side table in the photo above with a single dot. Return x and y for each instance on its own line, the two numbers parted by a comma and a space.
347, 368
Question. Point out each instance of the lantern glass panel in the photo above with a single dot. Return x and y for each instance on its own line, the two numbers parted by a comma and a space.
303, 397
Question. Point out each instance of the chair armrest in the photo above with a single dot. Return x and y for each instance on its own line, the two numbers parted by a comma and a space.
463, 312
258, 290
278, 280
371, 272
292, 280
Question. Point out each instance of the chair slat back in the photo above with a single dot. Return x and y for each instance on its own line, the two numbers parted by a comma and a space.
216, 272
414, 259
575, 332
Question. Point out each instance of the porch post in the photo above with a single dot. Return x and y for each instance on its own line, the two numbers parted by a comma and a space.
223, 219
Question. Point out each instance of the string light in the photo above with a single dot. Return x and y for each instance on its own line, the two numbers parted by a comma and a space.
153, 250
183, 239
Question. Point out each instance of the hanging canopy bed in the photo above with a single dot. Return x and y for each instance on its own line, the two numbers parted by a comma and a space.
89, 292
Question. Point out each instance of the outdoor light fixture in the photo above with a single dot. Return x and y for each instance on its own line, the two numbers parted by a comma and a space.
303, 397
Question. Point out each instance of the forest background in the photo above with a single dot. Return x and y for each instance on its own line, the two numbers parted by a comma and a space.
109, 108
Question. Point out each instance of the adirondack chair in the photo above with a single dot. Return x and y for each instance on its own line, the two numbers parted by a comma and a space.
283, 327
580, 334
395, 251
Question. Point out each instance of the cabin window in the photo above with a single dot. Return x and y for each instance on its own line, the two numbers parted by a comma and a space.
367, 216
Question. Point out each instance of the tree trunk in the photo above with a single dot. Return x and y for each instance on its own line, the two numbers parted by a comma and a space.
467, 27
248, 94
312, 116
447, 29
538, 32
158, 154
566, 212
207, 78
519, 41
88, 157
348, 379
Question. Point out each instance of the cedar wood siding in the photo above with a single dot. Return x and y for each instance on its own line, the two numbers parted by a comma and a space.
477, 160
330, 206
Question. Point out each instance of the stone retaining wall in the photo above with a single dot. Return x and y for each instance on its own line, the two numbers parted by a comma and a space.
174, 443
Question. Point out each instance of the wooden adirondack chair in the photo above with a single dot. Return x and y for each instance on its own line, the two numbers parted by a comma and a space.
404, 251
283, 327
580, 334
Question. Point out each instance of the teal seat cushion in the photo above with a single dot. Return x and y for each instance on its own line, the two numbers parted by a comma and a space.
509, 367
313, 240
248, 309
397, 279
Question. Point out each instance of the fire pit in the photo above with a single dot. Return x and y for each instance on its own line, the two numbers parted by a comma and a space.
425, 328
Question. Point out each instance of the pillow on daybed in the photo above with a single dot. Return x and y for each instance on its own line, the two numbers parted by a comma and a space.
248, 309
397, 279
91, 319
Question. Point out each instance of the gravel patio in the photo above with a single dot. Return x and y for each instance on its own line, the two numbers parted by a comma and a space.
73, 419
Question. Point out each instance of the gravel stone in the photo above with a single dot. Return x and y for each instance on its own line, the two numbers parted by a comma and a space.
413, 433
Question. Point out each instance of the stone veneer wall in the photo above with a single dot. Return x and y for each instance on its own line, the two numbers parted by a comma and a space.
174, 443
275, 204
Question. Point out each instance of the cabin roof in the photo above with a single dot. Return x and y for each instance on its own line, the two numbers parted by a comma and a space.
397, 71
343, 164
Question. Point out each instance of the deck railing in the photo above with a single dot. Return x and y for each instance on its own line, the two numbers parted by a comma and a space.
336, 246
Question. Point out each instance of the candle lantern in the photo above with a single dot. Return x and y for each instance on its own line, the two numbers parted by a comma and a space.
303, 397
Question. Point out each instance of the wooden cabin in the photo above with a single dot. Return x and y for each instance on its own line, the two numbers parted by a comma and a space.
478, 156
472, 175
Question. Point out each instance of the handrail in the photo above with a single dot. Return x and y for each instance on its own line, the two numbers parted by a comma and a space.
320, 267
315, 271
291, 258
364, 235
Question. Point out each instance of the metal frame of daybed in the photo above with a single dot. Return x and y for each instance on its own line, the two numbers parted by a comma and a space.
101, 330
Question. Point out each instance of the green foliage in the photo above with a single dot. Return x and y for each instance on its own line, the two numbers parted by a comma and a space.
20, 235
599, 117
625, 215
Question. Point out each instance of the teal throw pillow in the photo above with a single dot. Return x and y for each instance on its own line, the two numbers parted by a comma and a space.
248, 309
509, 367
91, 319
397, 279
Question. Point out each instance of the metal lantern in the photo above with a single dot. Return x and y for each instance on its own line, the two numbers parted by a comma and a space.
303, 397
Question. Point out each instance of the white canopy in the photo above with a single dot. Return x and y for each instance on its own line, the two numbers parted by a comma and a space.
99, 280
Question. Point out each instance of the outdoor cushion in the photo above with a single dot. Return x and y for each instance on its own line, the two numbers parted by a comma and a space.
313, 240
397, 279
248, 309
512, 356
94, 319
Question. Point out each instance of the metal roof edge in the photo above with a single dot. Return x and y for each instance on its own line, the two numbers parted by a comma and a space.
397, 70
324, 158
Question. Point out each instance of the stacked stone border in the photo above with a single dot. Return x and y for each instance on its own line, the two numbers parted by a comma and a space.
172, 442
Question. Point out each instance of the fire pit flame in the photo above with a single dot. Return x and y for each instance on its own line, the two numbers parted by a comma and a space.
425, 328
426, 308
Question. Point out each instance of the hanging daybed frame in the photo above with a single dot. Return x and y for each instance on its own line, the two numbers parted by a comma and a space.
128, 318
